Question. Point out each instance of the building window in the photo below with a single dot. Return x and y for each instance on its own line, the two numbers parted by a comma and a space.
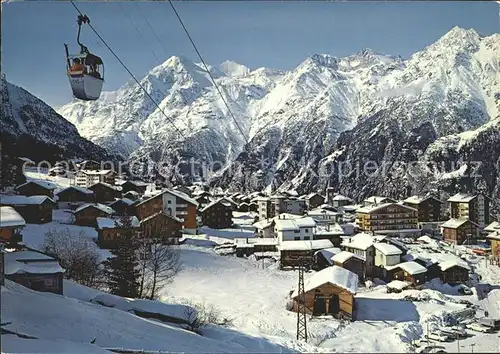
307, 231
297, 238
306, 237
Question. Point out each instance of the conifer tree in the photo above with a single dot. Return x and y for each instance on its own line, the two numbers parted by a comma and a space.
122, 270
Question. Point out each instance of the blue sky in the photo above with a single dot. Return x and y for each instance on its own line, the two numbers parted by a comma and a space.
259, 33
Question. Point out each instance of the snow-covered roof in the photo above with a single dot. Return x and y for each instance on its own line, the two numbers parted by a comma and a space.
79, 189
222, 201
9, 217
454, 223
361, 241
494, 235
104, 208
25, 159
43, 184
322, 212
111, 223
132, 192
444, 266
412, 268
30, 262
419, 199
387, 249
158, 213
372, 208
263, 224
343, 256
96, 172
124, 200
494, 226
328, 253
23, 200
398, 284
294, 223
333, 275
376, 199
304, 245
461, 198
339, 197
175, 193
333, 229
116, 188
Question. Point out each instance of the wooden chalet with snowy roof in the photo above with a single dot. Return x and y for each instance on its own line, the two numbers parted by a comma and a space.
217, 215
330, 291
295, 253
11, 224
411, 272
36, 187
124, 206
34, 270
87, 214
314, 200
104, 192
109, 229
428, 207
134, 186
460, 231
350, 261
36, 209
74, 196
162, 227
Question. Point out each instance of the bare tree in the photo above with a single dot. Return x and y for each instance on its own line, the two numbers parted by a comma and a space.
77, 254
163, 264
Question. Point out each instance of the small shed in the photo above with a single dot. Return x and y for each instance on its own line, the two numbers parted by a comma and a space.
397, 286
329, 292
108, 230
34, 270
411, 272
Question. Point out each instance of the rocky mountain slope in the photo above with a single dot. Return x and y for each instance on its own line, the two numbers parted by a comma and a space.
31, 128
327, 112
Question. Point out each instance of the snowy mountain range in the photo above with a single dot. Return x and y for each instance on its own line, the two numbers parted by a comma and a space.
438, 103
31, 128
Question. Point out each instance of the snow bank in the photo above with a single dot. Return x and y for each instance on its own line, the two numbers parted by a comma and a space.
13, 344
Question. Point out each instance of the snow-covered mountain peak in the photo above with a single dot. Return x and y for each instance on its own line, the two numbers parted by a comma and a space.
233, 69
458, 39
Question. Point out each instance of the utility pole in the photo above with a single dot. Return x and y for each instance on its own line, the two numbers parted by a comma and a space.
472, 347
301, 305
458, 342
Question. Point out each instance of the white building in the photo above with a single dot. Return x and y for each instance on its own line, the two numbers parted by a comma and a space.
386, 254
294, 229
86, 178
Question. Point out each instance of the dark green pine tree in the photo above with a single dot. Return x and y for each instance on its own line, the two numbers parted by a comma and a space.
122, 271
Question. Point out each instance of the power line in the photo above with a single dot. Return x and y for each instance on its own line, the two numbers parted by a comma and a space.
139, 33
151, 27
208, 71
130, 73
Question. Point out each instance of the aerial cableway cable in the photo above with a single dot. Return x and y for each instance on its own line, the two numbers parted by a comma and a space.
208, 71
151, 27
129, 72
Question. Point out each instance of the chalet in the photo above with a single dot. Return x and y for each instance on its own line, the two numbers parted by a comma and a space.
324, 216
138, 187
385, 255
289, 228
362, 245
32, 188
338, 201
388, 218
454, 272
296, 253
329, 292
323, 258
109, 229
34, 270
244, 207
411, 272
89, 165
87, 214
123, 206
104, 192
217, 215
377, 200
162, 226
86, 178
36, 209
350, 261
173, 203
11, 223
314, 200
428, 208
232, 203
74, 195
132, 195
475, 207
253, 207
459, 231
